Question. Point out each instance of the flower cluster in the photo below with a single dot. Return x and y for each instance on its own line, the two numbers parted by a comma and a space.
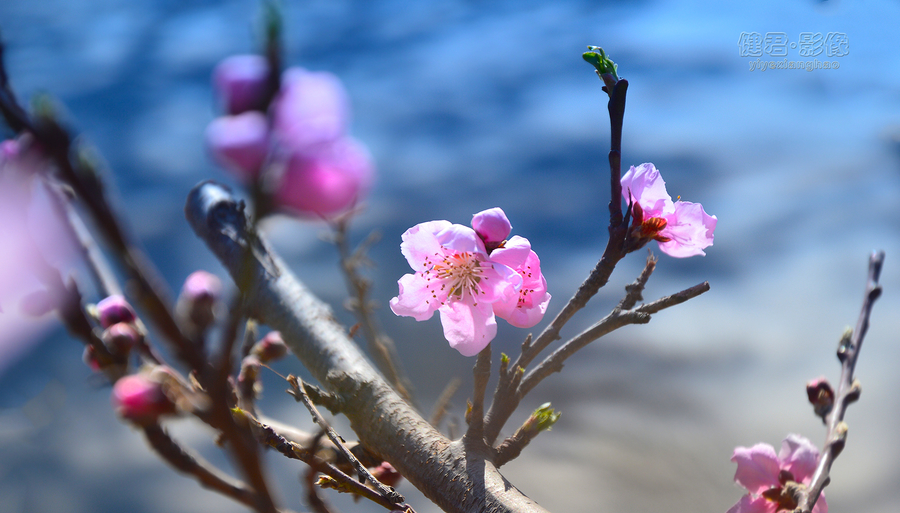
766, 476
681, 228
312, 166
471, 275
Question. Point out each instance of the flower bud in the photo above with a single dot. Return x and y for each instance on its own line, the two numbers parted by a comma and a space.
196, 305
311, 109
492, 226
239, 143
120, 338
387, 474
140, 399
113, 310
821, 396
327, 181
241, 81
270, 348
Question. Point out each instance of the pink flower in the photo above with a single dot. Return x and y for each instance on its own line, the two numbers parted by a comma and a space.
528, 307
240, 81
113, 310
327, 181
682, 229
240, 143
310, 109
455, 276
764, 475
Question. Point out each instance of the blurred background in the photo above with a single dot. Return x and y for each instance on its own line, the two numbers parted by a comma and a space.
470, 105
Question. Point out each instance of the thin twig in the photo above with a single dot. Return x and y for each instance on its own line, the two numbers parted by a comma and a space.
298, 392
380, 347
208, 476
848, 388
443, 401
615, 320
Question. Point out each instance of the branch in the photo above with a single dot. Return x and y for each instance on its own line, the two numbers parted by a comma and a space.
848, 388
457, 477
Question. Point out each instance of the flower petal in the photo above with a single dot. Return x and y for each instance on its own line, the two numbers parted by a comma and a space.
748, 504
469, 328
461, 238
799, 456
690, 230
420, 243
647, 188
757, 467
415, 299
821, 506
527, 308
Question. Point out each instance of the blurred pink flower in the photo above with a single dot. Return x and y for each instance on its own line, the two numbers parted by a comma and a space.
682, 229
311, 109
239, 143
327, 181
115, 309
240, 81
764, 475
454, 276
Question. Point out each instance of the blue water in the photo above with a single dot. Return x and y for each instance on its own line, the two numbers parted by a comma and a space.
467, 106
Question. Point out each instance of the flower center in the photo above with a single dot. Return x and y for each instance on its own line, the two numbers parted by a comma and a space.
457, 273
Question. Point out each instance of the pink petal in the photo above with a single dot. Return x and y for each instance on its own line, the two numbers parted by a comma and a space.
420, 243
328, 181
748, 504
498, 283
529, 306
415, 299
468, 328
757, 467
514, 253
821, 506
460, 239
799, 456
647, 189
311, 109
239, 143
690, 229
492, 225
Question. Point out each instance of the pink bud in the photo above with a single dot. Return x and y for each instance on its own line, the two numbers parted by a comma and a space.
387, 474
328, 181
140, 399
239, 143
240, 81
491, 225
270, 348
121, 337
113, 310
311, 109
196, 305
201, 285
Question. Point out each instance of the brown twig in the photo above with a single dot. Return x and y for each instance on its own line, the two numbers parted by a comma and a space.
380, 346
208, 476
443, 400
847, 391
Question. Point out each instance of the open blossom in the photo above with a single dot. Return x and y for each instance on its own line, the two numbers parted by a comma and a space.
765, 474
457, 276
681, 228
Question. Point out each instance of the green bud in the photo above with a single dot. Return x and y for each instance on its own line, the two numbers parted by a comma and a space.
596, 57
543, 418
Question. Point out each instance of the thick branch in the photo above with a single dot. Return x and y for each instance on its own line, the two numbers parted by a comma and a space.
457, 477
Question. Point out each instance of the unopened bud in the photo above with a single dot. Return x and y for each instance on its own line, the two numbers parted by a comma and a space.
141, 399
241, 82
240, 143
492, 226
196, 306
270, 348
821, 396
387, 474
121, 337
113, 310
